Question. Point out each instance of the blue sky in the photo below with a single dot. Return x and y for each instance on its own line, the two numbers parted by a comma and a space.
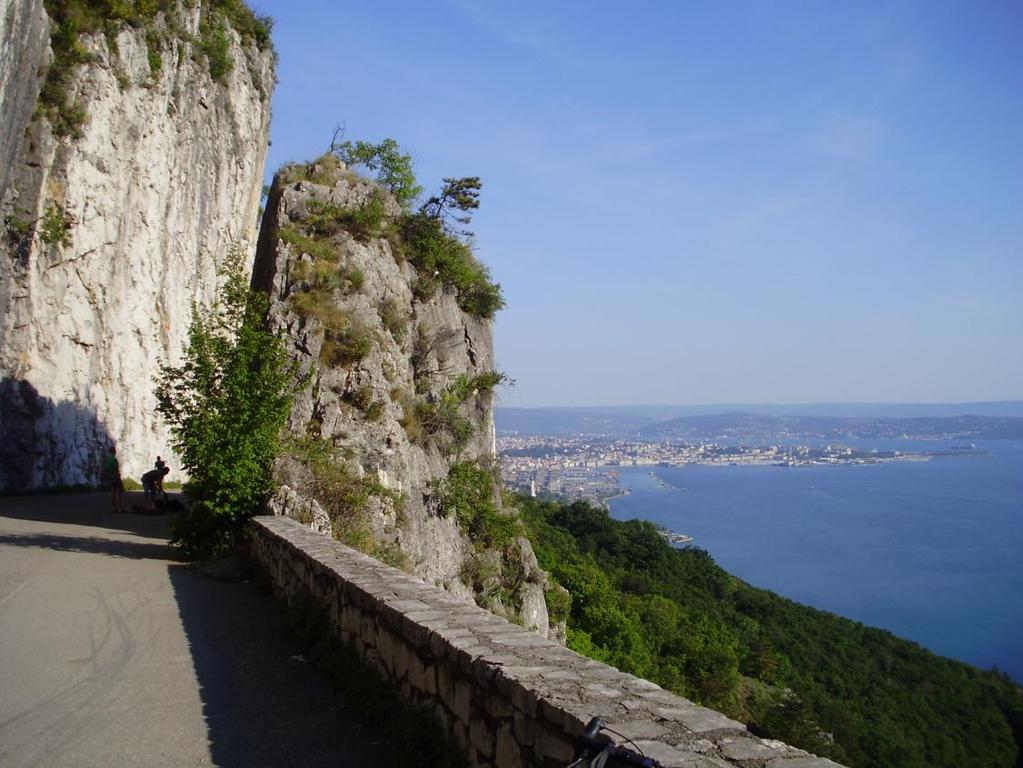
705, 202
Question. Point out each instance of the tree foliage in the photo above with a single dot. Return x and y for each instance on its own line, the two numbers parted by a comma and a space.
456, 195
226, 405
393, 168
829, 685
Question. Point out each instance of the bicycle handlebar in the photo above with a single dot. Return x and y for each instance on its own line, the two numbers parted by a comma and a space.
590, 740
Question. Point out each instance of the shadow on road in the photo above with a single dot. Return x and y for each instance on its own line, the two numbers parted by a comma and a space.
101, 546
264, 706
90, 510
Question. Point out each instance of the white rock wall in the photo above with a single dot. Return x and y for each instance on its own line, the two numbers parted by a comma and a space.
165, 178
24, 49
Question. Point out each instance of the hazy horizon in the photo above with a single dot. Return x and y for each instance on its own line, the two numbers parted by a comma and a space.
778, 404
626, 418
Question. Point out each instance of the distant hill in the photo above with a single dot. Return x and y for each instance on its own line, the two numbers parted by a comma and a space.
739, 426
573, 421
630, 419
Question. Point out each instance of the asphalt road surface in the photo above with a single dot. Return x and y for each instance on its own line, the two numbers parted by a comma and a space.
112, 654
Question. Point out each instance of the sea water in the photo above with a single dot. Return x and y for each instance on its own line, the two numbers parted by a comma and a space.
930, 550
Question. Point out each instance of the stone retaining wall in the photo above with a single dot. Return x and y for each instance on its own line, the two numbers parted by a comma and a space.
506, 695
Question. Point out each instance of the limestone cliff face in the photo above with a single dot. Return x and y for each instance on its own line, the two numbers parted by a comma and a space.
109, 237
24, 52
417, 349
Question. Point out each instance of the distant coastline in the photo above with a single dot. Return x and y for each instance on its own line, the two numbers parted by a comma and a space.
586, 468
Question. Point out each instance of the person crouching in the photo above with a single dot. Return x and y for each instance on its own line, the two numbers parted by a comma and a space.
152, 484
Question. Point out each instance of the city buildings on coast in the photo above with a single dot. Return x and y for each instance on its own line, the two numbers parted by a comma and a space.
584, 466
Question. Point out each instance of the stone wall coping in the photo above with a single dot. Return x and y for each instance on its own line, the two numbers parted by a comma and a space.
508, 695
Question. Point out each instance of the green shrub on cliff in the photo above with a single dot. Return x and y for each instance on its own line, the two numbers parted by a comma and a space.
345, 495
443, 259
440, 418
469, 494
215, 45
226, 405
433, 241
55, 225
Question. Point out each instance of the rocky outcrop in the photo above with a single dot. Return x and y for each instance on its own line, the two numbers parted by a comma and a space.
334, 288
111, 235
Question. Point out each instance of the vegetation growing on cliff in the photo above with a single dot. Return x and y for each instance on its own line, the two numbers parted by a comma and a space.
440, 418
226, 405
393, 168
431, 237
494, 568
322, 271
161, 20
346, 496
813, 679
469, 494
394, 320
54, 227
443, 259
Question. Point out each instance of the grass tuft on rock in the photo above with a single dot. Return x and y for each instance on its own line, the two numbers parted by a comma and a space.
73, 20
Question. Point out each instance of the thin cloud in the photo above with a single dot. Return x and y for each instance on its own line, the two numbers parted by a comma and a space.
737, 231
849, 137
514, 26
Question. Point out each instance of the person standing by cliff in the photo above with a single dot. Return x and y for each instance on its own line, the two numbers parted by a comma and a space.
161, 465
112, 476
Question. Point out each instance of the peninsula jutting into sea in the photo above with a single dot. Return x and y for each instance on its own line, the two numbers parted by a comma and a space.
583, 467
573, 453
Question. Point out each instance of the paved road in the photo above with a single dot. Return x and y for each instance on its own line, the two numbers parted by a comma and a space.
113, 654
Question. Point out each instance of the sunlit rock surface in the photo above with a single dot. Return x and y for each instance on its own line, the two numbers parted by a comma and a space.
165, 177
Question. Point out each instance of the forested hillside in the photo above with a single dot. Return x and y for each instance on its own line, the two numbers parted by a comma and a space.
830, 685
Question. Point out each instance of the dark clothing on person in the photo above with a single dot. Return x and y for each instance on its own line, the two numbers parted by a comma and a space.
154, 478
151, 478
112, 477
112, 473
152, 483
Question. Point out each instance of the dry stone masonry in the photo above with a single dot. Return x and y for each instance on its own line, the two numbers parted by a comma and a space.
506, 695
